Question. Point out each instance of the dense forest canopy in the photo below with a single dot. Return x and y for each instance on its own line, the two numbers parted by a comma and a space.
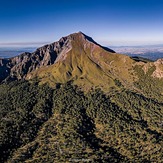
43, 124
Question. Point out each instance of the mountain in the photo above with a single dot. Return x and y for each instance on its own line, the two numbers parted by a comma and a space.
17, 67
76, 57
77, 101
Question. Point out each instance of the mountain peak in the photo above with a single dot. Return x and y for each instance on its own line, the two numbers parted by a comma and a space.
77, 43
83, 37
78, 33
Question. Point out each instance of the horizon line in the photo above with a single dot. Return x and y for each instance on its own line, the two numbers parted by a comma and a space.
23, 43
49, 42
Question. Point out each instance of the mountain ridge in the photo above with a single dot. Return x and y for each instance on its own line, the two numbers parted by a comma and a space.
79, 58
43, 56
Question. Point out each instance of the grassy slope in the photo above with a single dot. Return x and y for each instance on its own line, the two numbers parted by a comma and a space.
88, 65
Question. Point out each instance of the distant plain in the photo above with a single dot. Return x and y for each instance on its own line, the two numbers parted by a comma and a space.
8, 52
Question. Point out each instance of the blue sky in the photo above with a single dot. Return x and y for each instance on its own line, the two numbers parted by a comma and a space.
109, 22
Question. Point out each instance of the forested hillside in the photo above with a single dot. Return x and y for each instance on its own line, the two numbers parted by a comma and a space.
65, 124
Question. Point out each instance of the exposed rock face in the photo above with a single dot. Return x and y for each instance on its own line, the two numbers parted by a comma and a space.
19, 66
158, 73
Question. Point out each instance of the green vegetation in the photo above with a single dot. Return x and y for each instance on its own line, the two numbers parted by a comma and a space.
149, 86
24, 107
40, 124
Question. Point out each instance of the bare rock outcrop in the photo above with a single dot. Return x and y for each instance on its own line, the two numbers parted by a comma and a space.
158, 73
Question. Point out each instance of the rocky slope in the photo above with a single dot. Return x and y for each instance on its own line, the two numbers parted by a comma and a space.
80, 59
18, 67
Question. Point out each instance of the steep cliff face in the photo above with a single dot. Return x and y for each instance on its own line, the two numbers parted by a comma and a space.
19, 66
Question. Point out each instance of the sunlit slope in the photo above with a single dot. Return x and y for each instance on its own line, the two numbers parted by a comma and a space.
80, 59
88, 65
